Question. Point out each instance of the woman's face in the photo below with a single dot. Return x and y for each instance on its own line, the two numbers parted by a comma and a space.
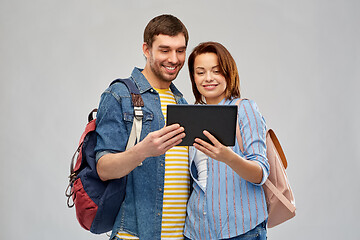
208, 78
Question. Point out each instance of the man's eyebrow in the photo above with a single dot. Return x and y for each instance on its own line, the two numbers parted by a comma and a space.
166, 46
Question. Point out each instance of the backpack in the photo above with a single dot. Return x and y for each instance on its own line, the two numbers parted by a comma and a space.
279, 196
97, 202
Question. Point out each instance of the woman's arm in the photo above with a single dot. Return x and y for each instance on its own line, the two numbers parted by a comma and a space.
249, 170
254, 166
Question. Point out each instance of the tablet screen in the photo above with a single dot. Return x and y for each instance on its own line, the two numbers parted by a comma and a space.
219, 120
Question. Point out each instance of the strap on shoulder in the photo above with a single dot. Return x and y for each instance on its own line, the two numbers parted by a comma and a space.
134, 91
138, 103
278, 147
238, 134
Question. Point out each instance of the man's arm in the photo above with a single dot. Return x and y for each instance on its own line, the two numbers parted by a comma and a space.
117, 165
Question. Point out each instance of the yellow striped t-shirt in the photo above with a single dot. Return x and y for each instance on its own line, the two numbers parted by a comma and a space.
176, 184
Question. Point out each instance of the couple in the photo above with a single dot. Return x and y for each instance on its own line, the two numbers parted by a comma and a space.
227, 200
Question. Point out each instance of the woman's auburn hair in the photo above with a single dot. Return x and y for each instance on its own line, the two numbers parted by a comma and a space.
227, 67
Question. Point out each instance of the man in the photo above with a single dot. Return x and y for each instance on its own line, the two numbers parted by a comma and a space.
157, 183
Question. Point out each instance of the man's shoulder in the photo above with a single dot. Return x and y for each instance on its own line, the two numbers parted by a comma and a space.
117, 87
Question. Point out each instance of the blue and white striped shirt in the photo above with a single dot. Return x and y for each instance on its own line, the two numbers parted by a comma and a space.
230, 205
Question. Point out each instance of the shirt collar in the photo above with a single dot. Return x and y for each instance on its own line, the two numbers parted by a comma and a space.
140, 80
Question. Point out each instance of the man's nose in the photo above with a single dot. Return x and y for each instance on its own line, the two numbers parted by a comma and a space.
173, 57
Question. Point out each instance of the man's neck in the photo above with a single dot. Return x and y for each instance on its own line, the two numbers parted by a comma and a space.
154, 81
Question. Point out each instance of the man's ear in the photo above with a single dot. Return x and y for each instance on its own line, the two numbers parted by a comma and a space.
146, 50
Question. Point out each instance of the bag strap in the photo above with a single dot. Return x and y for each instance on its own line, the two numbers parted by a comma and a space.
238, 134
138, 103
134, 91
280, 196
278, 147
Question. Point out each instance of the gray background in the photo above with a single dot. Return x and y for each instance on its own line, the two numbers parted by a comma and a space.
299, 60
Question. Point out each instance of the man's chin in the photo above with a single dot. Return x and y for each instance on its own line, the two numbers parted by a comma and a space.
170, 77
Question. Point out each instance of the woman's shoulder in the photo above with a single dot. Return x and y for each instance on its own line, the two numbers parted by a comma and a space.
248, 109
244, 103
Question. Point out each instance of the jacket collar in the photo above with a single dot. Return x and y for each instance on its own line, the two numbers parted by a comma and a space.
144, 85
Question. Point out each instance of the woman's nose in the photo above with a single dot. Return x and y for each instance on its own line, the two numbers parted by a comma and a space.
208, 77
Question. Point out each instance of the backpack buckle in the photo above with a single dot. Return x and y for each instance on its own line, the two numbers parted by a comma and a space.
138, 113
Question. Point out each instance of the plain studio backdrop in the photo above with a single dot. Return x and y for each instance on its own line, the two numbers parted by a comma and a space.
299, 60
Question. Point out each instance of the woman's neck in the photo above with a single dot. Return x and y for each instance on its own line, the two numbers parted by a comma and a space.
213, 101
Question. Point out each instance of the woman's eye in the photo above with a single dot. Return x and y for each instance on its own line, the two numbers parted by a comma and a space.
216, 71
200, 73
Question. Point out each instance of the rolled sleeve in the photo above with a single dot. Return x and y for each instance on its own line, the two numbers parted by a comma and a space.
102, 153
111, 128
253, 133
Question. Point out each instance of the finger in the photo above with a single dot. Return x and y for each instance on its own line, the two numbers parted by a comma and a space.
203, 149
173, 141
175, 133
204, 144
211, 138
168, 132
167, 129
173, 145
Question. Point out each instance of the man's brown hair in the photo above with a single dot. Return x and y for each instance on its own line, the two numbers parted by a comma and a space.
165, 24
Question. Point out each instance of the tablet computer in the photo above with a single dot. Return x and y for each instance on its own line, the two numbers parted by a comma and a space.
219, 120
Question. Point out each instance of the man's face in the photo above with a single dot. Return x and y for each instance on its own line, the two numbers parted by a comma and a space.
166, 56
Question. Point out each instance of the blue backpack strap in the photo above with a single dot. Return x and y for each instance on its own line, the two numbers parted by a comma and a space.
138, 103
134, 91
130, 85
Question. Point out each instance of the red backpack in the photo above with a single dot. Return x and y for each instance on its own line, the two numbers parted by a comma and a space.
97, 202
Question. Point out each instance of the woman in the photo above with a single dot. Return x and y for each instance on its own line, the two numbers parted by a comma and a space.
227, 201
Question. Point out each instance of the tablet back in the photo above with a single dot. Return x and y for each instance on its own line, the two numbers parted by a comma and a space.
219, 120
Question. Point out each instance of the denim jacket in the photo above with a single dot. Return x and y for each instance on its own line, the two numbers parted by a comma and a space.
141, 212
